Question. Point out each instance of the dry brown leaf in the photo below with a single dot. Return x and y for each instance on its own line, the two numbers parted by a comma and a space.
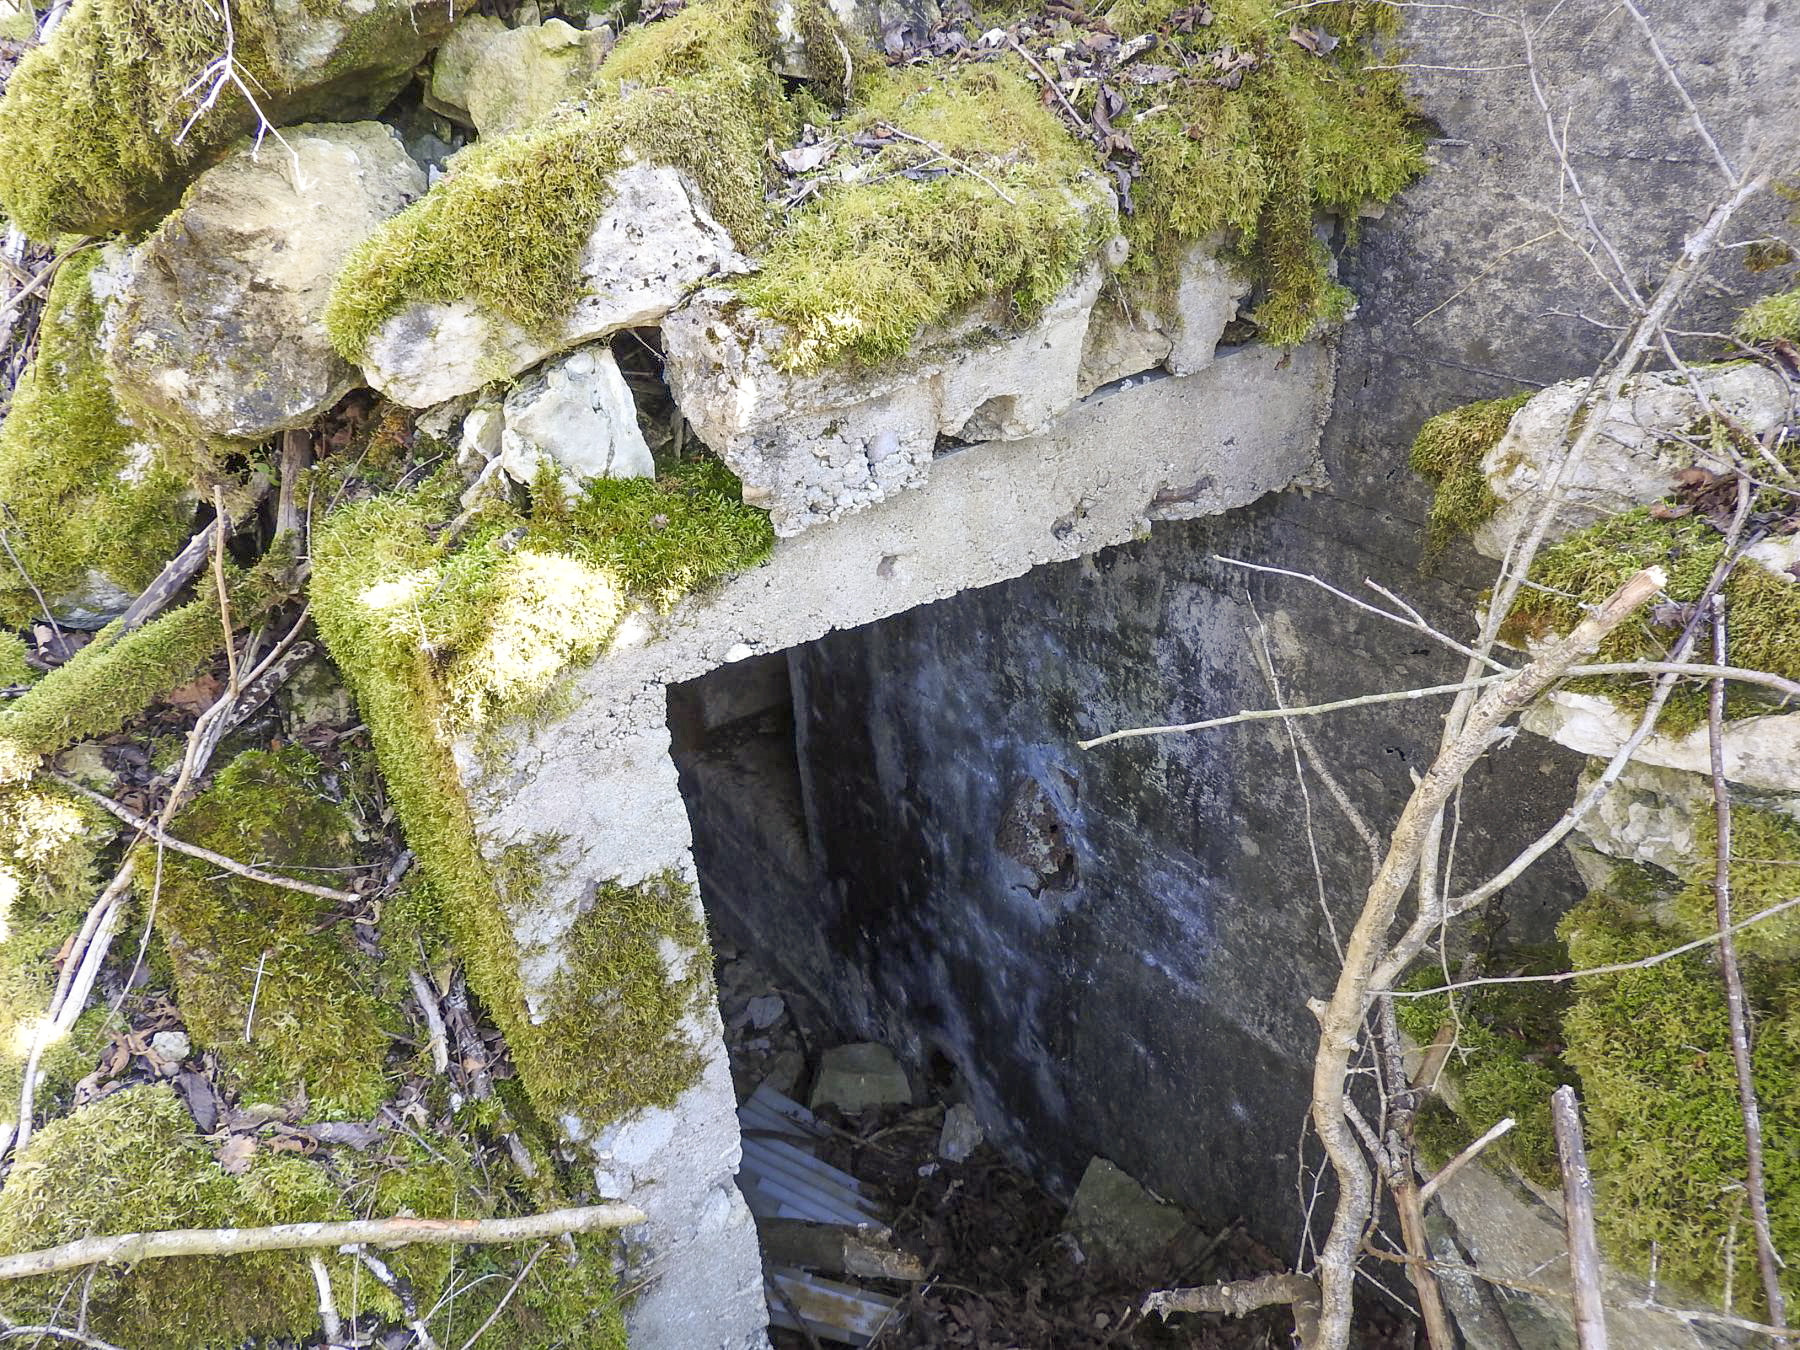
235, 1154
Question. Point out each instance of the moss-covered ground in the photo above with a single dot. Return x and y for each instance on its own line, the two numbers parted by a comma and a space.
1448, 450
81, 489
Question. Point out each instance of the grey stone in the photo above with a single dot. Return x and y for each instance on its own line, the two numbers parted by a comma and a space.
784, 1071
1117, 1220
855, 1077
1125, 339
499, 79
1760, 752
765, 1010
173, 1046
1637, 454
1649, 815
216, 321
961, 1135
654, 242
814, 447
578, 413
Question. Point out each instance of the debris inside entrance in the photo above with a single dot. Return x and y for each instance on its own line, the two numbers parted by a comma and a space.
899, 1227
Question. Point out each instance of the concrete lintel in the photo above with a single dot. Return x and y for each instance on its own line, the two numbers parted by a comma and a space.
601, 776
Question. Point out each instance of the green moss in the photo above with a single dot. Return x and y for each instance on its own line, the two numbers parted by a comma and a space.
1506, 1061
315, 1031
1762, 610
507, 226
402, 621
1448, 450
113, 678
89, 123
130, 1163
860, 270
1765, 870
15, 670
1302, 133
1664, 1131
615, 1027
80, 489
1772, 318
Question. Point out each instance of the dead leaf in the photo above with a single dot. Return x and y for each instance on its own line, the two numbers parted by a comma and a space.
806, 158
1663, 511
1315, 40
235, 1154
196, 696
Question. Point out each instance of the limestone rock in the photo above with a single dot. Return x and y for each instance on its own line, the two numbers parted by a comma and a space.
89, 125
1762, 753
578, 413
1125, 341
655, 241
498, 79
855, 1077
1118, 1220
1636, 458
1649, 815
216, 322
816, 446
961, 1134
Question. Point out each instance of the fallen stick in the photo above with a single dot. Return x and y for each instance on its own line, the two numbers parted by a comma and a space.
131, 1247
1578, 1202
1299, 1292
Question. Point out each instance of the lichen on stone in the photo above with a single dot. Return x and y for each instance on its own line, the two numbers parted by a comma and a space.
265, 976
84, 489
1448, 450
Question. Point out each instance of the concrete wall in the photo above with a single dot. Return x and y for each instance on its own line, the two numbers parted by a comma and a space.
602, 779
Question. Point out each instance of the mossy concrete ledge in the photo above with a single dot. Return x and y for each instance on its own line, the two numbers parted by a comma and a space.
577, 806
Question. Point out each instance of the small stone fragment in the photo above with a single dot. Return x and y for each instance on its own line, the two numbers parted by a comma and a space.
961, 1134
172, 1046
1118, 1220
855, 1077
766, 1010
578, 412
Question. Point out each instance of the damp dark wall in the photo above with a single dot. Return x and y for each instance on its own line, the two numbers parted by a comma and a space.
1114, 948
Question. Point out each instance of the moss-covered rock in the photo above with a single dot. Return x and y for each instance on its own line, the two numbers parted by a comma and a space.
91, 125
90, 508
1659, 1093
1773, 318
265, 976
1448, 450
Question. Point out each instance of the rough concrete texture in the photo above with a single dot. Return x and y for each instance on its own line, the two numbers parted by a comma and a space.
813, 447
654, 241
1638, 452
216, 320
499, 79
577, 412
1154, 1011
1124, 340
1760, 752
855, 1077
602, 778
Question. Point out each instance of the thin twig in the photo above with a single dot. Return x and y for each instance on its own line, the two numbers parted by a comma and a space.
329, 1321
506, 1298
434, 1019
1463, 1159
1736, 1006
62, 645
128, 1248
219, 580
156, 832
1578, 1208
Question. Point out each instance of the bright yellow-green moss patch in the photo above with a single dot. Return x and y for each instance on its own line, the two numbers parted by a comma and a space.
1448, 450
114, 678
1762, 610
1664, 1131
1506, 1061
14, 668
863, 268
1774, 317
507, 226
82, 487
1765, 870
315, 1029
400, 618
130, 1163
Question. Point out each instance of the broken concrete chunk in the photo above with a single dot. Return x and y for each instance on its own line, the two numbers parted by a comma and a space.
1762, 753
855, 1077
655, 240
812, 447
1117, 1220
1638, 452
1178, 330
961, 1134
578, 413
215, 322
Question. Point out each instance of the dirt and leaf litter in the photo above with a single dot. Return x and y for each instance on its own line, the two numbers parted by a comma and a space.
996, 1261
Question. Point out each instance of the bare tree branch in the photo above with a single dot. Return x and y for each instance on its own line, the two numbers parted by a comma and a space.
1578, 1209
